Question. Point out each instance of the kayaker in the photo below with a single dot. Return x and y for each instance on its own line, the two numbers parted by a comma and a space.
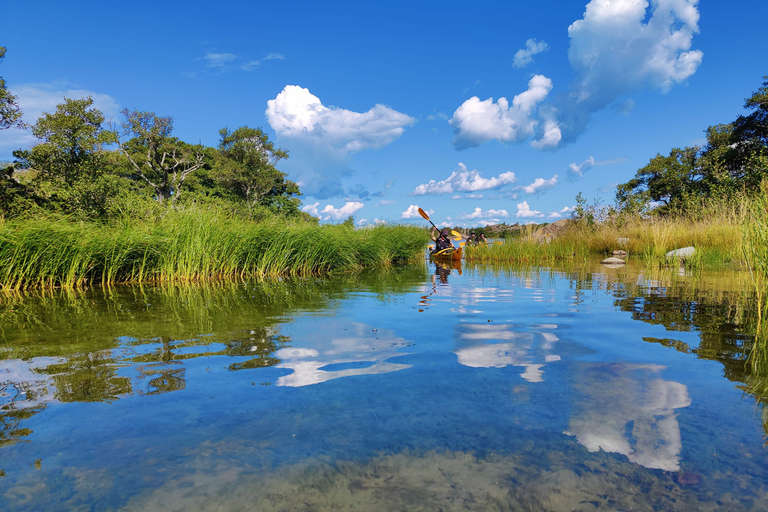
443, 240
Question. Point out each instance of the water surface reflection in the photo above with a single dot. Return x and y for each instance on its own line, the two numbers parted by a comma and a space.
493, 388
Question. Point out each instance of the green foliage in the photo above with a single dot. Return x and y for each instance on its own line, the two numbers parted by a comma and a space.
10, 112
247, 172
161, 161
188, 244
16, 197
733, 162
71, 145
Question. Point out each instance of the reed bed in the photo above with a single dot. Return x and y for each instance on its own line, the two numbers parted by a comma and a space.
189, 245
715, 233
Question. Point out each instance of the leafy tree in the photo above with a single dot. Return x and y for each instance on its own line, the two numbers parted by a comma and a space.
15, 197
162, 161
72, 144
248, 171
10, 112
669, 180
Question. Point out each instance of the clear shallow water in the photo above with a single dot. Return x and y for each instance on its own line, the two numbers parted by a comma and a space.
418, 389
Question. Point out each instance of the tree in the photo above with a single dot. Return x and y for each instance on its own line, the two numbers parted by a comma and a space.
162, 161
10, 112
248, 170
670, 180
72, 144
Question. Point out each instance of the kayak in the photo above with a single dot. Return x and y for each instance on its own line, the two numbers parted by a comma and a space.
448, 254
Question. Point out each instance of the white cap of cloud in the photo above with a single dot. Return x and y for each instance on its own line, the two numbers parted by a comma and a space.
524, 211
540, 185
614, 50
463, 180
476, 121
297, 113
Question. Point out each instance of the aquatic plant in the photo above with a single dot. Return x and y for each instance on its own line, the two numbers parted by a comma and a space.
190, 244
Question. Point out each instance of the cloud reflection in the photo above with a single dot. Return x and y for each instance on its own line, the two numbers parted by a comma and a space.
527, 350
366, 348
627, 410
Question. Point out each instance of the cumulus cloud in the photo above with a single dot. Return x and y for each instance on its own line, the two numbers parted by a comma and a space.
412, 212
524, 211
463, 180
330, 212
619, 47
476, 121
36, 99
524, 56
540, 185
321, 138
478, 213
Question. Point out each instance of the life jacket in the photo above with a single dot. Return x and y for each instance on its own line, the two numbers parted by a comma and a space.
442, 242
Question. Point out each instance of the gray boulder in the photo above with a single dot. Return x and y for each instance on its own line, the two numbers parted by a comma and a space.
681, 254
613, 261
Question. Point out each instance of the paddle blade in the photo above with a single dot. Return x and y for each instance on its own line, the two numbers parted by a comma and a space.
423, 214
456, 234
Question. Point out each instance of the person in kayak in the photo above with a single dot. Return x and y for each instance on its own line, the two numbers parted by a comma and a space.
442, 240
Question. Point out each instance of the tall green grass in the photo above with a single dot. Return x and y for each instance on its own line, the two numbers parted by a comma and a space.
190, 244
715, 232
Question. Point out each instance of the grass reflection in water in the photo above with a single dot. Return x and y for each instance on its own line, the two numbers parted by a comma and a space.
503, 410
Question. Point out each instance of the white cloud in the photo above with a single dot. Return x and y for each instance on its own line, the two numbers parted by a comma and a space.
332, 213
478, 213
385, 202
550, 136
412, 212
524, 211
476, 122
463, 180
321, 138
563, 211
312, 209
297, 113
540, 185
36, 99
619, 47
577, 170
524, 56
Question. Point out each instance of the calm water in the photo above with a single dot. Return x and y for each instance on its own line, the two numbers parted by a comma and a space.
418, 389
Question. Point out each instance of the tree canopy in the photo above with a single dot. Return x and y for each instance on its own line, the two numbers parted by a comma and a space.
81, 167
734, 159
10, 112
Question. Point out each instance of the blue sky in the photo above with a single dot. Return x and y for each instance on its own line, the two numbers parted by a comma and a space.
479, 113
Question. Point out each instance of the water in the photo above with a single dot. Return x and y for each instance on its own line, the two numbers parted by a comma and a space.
483, 388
